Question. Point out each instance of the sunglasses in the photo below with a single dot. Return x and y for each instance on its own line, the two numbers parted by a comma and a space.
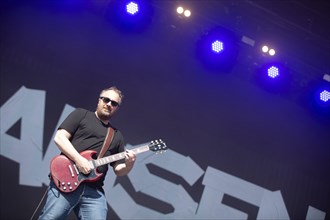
107, 100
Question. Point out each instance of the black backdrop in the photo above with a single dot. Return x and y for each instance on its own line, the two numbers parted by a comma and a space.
219, 120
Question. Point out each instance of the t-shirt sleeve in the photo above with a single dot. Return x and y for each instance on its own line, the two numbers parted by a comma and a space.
71, 123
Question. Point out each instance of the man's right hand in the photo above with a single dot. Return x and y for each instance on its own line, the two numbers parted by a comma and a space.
83, 165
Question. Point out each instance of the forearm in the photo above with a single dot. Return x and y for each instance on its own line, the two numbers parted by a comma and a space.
122, 169
66, 148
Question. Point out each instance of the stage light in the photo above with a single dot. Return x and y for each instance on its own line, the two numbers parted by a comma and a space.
274, 77
271, 52
187, 13
132, 8
179, 10
218, 49
322, 94
273, 72
128, 15
317, 98
217, 46
325, 89
325, 95
265, 49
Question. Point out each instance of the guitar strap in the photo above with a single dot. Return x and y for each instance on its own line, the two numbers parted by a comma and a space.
107, 142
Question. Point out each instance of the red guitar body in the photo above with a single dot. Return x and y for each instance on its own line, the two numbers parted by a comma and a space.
66, 175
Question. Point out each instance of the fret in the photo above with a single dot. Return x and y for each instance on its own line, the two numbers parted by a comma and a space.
141, 149
119, 156
95, 163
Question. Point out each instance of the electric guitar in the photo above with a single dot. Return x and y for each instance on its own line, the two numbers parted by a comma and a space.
67, 177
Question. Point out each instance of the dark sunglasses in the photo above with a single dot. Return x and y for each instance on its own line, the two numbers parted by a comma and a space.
107, 100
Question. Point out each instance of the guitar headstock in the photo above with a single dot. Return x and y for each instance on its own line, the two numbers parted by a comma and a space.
157, 146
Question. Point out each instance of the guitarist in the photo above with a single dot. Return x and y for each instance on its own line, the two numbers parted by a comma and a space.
85, 130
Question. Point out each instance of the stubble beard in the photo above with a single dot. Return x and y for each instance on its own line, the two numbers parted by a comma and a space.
104, 114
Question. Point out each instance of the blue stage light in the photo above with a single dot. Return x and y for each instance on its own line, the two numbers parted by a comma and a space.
317, 98
217, 46
132, 8
325, 96
273, 72
274, 77
218, 49
130, 16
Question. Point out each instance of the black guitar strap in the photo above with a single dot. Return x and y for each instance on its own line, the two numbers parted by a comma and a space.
107, 142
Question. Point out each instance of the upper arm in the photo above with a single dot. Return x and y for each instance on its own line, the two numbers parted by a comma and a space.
62, 133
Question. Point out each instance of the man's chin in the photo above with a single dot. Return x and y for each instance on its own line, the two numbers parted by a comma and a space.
105, 114
106, 111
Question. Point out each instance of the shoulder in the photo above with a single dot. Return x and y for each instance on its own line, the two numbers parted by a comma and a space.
77, 115
81, 110
114, 128
118, 133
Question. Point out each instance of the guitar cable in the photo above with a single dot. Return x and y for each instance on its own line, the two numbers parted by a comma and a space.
42, 199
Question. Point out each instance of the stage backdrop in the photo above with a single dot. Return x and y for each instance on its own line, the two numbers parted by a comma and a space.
236, 150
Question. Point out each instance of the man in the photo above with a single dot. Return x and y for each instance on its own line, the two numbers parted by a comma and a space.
85, 130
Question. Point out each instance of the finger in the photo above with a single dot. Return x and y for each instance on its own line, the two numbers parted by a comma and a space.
87, 171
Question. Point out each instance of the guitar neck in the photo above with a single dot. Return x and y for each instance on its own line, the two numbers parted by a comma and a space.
119, 156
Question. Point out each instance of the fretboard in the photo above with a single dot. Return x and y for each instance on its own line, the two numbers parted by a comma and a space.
119, 156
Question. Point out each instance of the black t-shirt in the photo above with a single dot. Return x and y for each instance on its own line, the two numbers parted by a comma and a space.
88, 133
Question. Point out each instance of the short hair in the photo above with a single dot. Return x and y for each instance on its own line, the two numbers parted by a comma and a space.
114, 88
